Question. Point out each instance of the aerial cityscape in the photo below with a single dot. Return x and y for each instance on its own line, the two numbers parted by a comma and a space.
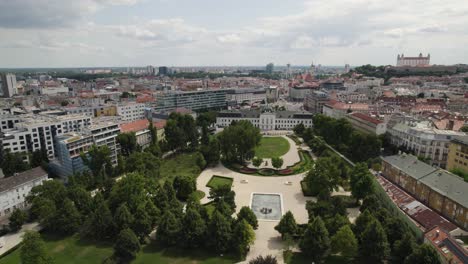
260, 132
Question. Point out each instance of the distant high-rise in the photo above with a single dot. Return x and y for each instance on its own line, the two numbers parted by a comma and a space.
419, 61
288, 71
346, 68
163, 70
150, 70
8, 84
270, 67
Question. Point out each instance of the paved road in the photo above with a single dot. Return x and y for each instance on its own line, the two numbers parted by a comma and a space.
12, 239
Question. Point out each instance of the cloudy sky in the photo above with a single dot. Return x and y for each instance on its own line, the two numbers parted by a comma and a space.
74, 33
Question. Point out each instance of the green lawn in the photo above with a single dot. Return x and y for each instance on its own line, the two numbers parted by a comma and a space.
217, 181
183, 164
71, 250
271, 147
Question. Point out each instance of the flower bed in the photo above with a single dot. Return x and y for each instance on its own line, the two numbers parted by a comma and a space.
285, 172
248, 170
266, 172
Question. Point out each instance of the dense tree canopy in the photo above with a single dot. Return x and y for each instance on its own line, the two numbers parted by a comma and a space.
238, 141
315, 243
33, 250
128, 143
181, 132
287, 225
13, 163
127, 245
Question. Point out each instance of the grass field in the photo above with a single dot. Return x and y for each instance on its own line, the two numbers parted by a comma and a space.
271, 147
217, 181
183, 164
71, 250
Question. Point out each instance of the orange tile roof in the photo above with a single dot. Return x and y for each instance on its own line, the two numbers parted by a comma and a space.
140, 125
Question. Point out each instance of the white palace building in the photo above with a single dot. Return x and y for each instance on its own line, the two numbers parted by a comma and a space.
265, 120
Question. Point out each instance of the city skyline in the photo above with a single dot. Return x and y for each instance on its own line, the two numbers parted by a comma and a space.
98, 33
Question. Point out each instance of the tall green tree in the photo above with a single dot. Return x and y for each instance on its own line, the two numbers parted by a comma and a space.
219, 232
33, 250
127, 245
361, 181
315, 243
153, 132
67, 219
211, 152
38, 158
128, 143
13, 163
345, 242
287, 225
123, 218
193, 229
243, 236
184, 186
374, 245
17, 219
299, 129
169, 229
98, 160
224, 193
424, 254
143, 224
143, 163
323, 177
238, 141
248, 215
362, 221
403, 248
100, 224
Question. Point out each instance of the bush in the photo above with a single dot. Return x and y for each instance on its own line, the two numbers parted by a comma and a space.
285, 172
264, 260
266, 172
305, 189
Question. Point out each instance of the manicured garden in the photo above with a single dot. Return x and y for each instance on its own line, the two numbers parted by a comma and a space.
305, 164
271, 147
217, 181
70, 250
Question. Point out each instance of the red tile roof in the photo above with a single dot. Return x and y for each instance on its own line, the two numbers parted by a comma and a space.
367, 118
140, 125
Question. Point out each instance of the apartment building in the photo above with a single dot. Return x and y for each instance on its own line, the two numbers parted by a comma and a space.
15, 189
266, 120
36, 132
423, 140
193, 100
367, 124
241, 95
442, 191
140, 128
131, 111
315, 101
458, 154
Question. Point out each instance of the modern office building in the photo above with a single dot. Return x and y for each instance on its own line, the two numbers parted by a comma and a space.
8, 84
269, 68
442, 191
458, 154
265, 120
193, 100
15, 189
163, 70
68, 149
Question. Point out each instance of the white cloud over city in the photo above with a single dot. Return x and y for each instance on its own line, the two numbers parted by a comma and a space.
126, 32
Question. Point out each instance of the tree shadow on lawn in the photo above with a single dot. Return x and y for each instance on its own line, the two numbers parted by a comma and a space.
195, 255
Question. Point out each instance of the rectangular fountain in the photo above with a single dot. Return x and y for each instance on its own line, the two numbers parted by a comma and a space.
267, 206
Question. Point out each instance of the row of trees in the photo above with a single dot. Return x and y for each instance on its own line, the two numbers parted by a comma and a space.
375, 237
340, 134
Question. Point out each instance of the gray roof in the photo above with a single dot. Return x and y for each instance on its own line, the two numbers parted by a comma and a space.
23, 177
441, 181
460, 139
410, 165
447, 184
